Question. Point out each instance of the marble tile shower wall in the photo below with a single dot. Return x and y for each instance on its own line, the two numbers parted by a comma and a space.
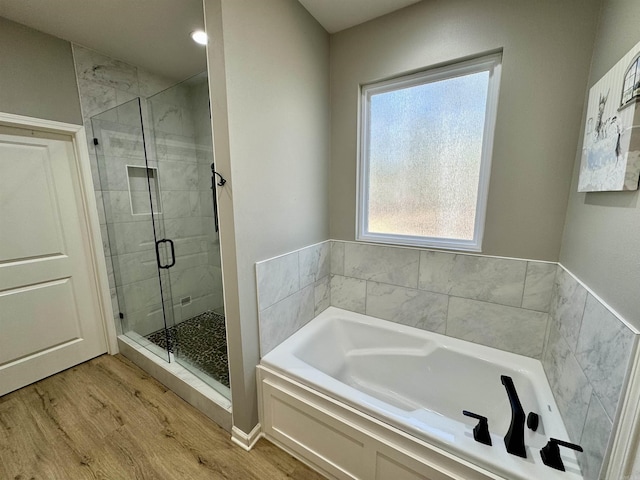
586, 358
180, 118
203, 135
105, 83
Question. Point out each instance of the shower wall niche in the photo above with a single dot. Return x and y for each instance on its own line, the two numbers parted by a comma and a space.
152, 155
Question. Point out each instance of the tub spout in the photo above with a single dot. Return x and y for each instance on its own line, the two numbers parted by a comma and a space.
514, 439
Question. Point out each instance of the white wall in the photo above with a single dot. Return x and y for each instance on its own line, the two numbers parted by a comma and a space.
602, 231
269, 81
547, 49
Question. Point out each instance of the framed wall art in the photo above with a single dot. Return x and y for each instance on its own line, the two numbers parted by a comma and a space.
611, 148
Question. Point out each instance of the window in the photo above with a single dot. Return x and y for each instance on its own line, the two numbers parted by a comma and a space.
425, 156
631, 84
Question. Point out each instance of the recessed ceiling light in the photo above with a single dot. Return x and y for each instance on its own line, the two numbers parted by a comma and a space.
199, 37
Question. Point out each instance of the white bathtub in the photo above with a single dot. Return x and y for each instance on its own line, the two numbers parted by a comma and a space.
420, 382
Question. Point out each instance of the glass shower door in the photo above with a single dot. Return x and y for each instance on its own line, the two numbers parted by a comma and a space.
137, 251
179, 118
155, 163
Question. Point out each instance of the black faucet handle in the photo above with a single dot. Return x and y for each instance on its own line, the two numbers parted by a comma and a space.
550, 453
481, 430
533, 420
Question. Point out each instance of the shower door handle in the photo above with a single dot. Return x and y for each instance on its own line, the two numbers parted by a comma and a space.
215, 205
173, 253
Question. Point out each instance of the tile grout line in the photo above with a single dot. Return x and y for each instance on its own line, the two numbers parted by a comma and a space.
524, 283
584, 309
366, 295
446, 322
584, 422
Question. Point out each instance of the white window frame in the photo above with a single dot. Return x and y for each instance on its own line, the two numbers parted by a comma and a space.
491, 63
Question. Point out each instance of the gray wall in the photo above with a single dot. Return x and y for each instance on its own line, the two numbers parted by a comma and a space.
602, 230
37, 78
547, 48
269, 80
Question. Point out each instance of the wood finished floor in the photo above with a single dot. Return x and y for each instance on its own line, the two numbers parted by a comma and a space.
108, 419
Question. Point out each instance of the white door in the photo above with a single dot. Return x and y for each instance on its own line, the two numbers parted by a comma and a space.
49, 312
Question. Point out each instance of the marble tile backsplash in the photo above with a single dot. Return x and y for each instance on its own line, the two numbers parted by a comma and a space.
425, 310
495, 280
394, 266
498, 302
532, 308
292, 289
512, 329
586, 359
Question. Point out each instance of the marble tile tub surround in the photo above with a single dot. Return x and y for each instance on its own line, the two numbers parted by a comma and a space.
292, 289
508, 304
499, 302
586, 359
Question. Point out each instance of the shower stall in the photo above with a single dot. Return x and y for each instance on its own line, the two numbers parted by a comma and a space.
156, 173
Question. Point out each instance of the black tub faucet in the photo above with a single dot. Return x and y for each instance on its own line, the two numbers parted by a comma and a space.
550, 453
514, 439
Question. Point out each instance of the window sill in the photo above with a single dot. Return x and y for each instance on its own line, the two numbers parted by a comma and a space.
421, 242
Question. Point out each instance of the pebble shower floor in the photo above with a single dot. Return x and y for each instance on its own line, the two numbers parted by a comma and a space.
202, 341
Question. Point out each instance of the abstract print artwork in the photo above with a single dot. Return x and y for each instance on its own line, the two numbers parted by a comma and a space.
611, 148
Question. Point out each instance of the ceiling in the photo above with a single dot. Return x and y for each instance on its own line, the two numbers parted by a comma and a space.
336, 15
154, 34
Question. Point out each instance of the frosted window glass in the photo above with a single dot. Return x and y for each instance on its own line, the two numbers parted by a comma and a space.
425, 149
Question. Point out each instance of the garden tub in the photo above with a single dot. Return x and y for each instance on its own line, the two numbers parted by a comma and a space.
418, 382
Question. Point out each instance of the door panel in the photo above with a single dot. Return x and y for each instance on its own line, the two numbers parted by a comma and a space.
29, 311
28, 192
49, 314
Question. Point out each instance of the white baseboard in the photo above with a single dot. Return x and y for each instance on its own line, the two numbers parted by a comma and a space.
246, 441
